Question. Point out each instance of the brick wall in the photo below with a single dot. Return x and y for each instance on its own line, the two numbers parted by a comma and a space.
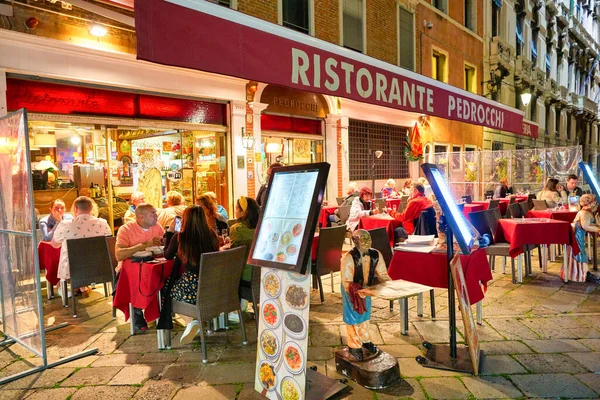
382, 33
263, 9
327, 21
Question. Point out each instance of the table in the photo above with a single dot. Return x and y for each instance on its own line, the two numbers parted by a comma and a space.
564, 215
379, 221
469, 208
144, 296
431, 269
49, 256
324, 215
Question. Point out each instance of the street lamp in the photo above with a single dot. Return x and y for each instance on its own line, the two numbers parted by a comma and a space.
525, 98
376, 155
248, 140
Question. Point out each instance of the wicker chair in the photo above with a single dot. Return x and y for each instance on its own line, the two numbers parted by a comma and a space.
514, 211
381, 241
329, 255
494, 204
252, 293
467, 199
524, 208
89, 262
111, 242
218, 290
530, 198
539, 204
382, 203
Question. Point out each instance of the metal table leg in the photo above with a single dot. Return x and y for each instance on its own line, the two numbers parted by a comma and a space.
131, 317
566, 264
403, 316
420, 304
479, 310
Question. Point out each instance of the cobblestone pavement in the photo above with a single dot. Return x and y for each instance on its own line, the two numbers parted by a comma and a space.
541, 340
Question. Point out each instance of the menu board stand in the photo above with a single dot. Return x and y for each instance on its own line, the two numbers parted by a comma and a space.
449, 356
282, 248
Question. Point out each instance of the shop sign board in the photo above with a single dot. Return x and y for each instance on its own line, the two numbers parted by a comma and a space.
174, 176
530, 130
228, 42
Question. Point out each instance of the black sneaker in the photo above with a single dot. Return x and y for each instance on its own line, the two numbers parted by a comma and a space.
139, 322
370, 347
356, 353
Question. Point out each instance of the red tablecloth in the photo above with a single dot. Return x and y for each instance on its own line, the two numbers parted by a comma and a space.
520, 197
567, 216
142, 296
378, 221
431, 269
390, 203
519, 232
314, 247
49, 257
324, 215
469, 208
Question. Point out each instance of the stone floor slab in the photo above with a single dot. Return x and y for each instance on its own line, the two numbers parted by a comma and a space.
444, 388
52, 394
491, 387
317, 353
116, 360
591, 380
410, 368
501, 364
157, 390
228, 373
552, 386
183, 374
512, 328
406, 388
136, 375
158, 358
221, 392
105, 392
91, 376
46, 379
550, 363
590, 360
593, 344
504, 347
401, 350
555, 345
16, 394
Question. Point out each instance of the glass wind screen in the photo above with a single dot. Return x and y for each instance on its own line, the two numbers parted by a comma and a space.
458, 216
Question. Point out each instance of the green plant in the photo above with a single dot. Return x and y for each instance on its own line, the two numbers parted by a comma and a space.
501, 168
470, 171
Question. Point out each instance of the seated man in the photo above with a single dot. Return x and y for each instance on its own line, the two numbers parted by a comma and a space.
416, 203
361, 207
84, 225
175, 207
50, 222
136, 236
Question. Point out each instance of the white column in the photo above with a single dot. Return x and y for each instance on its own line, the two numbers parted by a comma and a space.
3, 102
344, 122
238, 121
594, 133
257, 109
331, 147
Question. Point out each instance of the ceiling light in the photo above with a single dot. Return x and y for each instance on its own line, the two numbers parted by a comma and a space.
76, 140
273, 148
98, 30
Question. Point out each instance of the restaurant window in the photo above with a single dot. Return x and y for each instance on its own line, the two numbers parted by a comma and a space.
496, 9
471, 14
353, 24
456, 157
367, 137
470, 148
440, 148
406, 39
470, 79
534, 53
439, 67
295, 15
441, 5
224, 3
496, 146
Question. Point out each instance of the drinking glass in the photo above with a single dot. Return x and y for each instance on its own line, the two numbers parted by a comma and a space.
225, 235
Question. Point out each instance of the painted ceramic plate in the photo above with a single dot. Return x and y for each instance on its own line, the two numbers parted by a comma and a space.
271, 313
290, 389
269, 343
286, 238
293, 358
294, 326
296, 297
267, 376
272, 284
297, 230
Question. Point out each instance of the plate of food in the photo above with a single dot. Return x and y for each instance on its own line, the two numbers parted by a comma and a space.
269, 343
290, 389
296, 276
267, 376
294, 326
291, 249
268, 256
272, 284
297, 230
293, 358
281, 256
286, 238
271, 313
296, 297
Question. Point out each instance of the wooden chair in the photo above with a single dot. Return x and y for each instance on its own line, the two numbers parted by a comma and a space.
89, 262
218, 290
329, 255
494, 204
539, 204
339, 200
467, 199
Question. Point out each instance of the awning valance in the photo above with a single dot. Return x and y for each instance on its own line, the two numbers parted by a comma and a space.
200, 35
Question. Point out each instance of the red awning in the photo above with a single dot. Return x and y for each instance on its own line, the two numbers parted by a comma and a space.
200, 35
121, 3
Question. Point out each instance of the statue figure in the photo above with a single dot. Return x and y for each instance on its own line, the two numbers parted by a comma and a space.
359, 268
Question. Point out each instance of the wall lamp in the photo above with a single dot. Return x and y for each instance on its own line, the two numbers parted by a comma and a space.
248, 141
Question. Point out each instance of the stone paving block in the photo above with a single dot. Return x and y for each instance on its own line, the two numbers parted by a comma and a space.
320, 353
183, 374
390, 332
590, 360
221, 392
136, 375
501, 364
406, 388
593, 344
78, 363
190, 357
116, 360
157, 390
91, 376
410, 368
552, 386
16, 394
504, 347
52, 394
228, 373
401, 350
158, 358
491, 387
485, 332
433, 331
45, 379
248, 393
591, 380
325, 335
142, 343
444, 388
512, 328
550, 363
109, 342
563, 327
105, 392
555, 345
237, 353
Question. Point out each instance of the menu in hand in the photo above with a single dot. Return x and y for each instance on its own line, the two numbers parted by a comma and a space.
288, 222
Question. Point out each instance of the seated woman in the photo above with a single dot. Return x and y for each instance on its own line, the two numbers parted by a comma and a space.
389, 189
584, 222
215, 220
502, 189
242, 232
136, 199
195, 238
49, 223
407, 189
550, 193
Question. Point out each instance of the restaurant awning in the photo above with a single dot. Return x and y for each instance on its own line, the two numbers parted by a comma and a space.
200, 35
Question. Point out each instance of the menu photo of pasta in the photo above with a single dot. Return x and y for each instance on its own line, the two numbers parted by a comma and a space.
282, 335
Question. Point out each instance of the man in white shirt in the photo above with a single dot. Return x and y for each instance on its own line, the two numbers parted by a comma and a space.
84, 225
